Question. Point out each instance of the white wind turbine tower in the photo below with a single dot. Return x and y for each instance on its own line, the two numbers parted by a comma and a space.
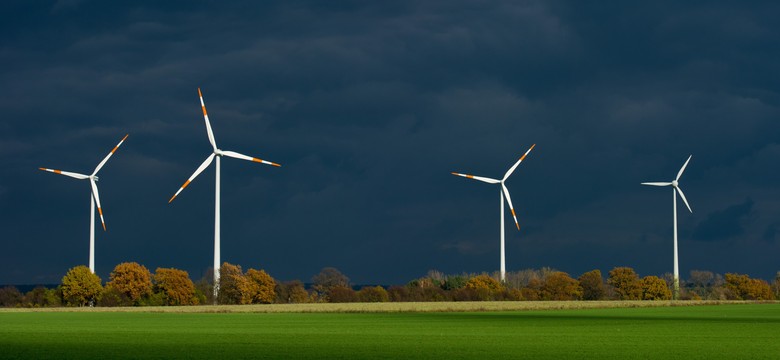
218, 154
675, 190
94, 200
503, 192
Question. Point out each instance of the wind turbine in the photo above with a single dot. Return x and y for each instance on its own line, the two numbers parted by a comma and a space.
217, 153
502, 192
675, 190
94, 198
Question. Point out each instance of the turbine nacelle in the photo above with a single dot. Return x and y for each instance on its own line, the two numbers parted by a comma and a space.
93, 179
675, 184
217, 153
504, 190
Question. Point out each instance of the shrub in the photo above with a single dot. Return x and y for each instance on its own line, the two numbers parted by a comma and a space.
342, 294
454, 282
112, 297
373, 294
10, 296
398, 293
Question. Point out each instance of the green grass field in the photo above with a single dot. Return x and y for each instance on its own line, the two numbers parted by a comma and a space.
685, 332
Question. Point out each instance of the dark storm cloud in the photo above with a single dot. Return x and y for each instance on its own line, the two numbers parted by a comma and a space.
369, 106
725, 224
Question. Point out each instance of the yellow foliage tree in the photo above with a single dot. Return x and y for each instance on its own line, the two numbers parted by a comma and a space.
592, 285
484, 282
484, 287
80, 286
175, 285
626, 283
233, 285
560, 286
654, 288
263, 288
373, 294
742, 287
132, 279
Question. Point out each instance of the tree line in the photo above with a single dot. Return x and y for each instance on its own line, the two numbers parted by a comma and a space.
132, 284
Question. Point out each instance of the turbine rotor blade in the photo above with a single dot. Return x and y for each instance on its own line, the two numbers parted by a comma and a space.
480, 178
66, 173
197, 172
657, 183
97, 202
683, 168
208, 124
236, 155
109, 155
512, 169
511, 208
679, 191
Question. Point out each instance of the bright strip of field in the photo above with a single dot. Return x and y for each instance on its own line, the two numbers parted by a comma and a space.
461, 306
691, 332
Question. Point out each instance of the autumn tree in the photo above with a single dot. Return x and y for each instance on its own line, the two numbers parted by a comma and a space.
291, 292
175, 286
485, 287
626, 283
592, 285
742, 287
342, 294
263, 288
776, 285
373, 294
131, 279
80, 286
232, 285
398, 293
560, 286
533, 290
654, 288
328, 278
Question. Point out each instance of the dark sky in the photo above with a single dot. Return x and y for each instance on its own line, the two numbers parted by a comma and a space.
369, 106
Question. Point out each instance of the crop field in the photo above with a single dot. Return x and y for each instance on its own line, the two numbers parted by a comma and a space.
685, 332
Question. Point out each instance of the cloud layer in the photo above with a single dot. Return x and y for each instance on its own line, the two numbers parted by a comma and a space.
369, 107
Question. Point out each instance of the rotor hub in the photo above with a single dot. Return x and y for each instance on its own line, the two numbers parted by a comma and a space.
674, 183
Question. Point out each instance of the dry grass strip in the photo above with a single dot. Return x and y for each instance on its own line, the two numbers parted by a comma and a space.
392, 307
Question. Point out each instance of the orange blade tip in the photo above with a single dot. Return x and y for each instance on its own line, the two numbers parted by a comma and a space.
199, 93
